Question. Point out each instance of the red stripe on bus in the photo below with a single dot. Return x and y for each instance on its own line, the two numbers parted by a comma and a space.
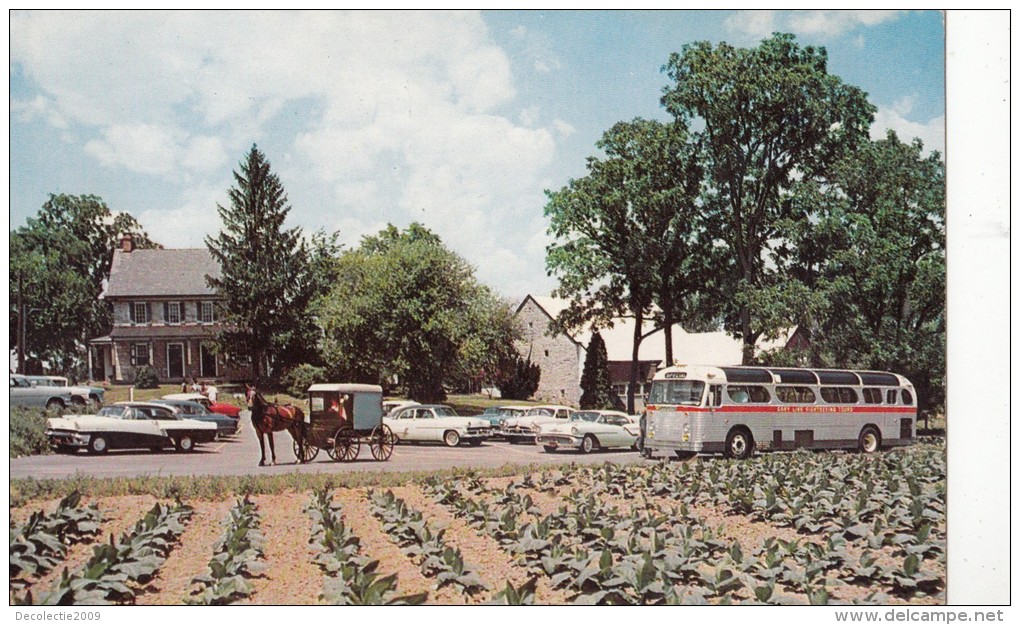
790, 408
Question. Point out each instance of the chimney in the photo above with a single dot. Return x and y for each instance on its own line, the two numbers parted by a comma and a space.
127, 243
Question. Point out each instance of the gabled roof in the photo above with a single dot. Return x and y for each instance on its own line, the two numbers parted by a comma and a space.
156, 273
709, 348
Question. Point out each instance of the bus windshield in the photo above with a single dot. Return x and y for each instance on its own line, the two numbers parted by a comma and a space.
680, 392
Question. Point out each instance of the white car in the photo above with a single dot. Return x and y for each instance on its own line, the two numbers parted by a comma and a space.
587, 430
523, 429
436, 423
128, 425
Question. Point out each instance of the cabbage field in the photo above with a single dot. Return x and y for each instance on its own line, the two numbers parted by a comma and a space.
794, 528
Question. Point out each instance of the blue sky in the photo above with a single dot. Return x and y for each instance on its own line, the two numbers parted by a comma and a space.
460, 121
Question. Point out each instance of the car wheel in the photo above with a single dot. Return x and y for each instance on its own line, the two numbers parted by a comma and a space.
184, 443
739, 444
588, 444
869, 441
451, 438
55, 405
549, 448
78, 402
98, 444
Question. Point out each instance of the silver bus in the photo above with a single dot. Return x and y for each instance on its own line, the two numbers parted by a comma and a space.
736, 411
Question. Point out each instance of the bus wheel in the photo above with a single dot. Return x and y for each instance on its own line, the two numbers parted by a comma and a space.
739, 444
869, 440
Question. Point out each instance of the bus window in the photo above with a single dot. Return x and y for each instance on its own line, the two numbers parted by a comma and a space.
679, 392
715, 395
890, 397
872, 396
795, 394
839, 395
748, 394
908, 399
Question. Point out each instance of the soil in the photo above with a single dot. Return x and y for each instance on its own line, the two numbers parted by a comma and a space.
292, 578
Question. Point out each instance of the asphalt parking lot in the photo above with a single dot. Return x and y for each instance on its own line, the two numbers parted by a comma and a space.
239, 455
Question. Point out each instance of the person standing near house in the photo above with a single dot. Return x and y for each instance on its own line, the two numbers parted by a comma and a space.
195, 386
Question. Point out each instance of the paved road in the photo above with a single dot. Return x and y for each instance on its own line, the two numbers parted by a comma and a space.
240, 456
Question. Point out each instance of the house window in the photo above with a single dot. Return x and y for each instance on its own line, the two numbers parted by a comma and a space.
173, 312
206, 312
139, 354
139, 312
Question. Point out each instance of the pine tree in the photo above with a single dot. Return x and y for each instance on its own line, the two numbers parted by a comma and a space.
264, 268
596, 385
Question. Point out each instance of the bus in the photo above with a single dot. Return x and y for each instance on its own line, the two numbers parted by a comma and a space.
735, 411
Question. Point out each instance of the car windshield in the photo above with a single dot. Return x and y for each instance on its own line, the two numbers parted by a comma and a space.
544, 412
510, 412
584, 416
445, 411
679, 392
115, 412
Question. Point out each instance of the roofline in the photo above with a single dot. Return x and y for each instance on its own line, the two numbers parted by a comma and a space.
551, 318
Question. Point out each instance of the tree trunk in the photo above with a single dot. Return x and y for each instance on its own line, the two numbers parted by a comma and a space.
638, 322
667, 334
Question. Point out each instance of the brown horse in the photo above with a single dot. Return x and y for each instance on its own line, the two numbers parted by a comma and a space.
268, 418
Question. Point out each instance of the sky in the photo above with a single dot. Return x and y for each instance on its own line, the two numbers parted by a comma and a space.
459, 121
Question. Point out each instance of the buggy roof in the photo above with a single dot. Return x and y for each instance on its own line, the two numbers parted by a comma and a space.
346, 388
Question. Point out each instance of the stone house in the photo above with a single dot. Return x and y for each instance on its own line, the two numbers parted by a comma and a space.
164, 316
561, 356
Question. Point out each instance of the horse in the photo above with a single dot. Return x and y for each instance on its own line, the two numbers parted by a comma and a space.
268, 418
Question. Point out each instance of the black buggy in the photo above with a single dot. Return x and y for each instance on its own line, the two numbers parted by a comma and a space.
342, 417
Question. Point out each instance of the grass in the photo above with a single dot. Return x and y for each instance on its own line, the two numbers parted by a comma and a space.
221, 488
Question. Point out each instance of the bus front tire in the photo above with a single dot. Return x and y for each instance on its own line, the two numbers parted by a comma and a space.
739, 444
869, 441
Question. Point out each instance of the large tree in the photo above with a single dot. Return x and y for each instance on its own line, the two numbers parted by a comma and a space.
875, 256
406, 308
768, 116
626, 233
59, 262
265, 274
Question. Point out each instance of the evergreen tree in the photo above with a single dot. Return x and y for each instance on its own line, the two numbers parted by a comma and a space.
265, 270
520, 379
596, 385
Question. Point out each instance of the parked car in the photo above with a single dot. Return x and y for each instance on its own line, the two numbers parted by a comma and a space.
23, 393
392, 405
588, 430
218, 407
524, 428
225, 426
127, 425
433, 422
80, 395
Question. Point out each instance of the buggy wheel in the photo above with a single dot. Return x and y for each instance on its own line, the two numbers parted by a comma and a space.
345, 448
305, 452
382, 442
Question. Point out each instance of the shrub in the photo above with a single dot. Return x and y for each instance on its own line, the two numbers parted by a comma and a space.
520, 379
146, 377
28, 431
298, 379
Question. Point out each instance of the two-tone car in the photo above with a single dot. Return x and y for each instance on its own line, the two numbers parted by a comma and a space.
524, 428
225, 426
393, 405
436, 423
24, 393
588, 430
80, 395
127, 425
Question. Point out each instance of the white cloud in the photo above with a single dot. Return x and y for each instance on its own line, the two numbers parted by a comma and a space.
817, 23
143, 148
755, 23
931, 133
562, 128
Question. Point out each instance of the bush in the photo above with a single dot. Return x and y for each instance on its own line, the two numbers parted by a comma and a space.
28, 431
146, 377
298, 379
520, 379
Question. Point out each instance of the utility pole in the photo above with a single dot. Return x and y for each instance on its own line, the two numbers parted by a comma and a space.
21, 327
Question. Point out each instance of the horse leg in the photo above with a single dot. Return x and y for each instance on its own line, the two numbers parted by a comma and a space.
272, 447
262, 447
